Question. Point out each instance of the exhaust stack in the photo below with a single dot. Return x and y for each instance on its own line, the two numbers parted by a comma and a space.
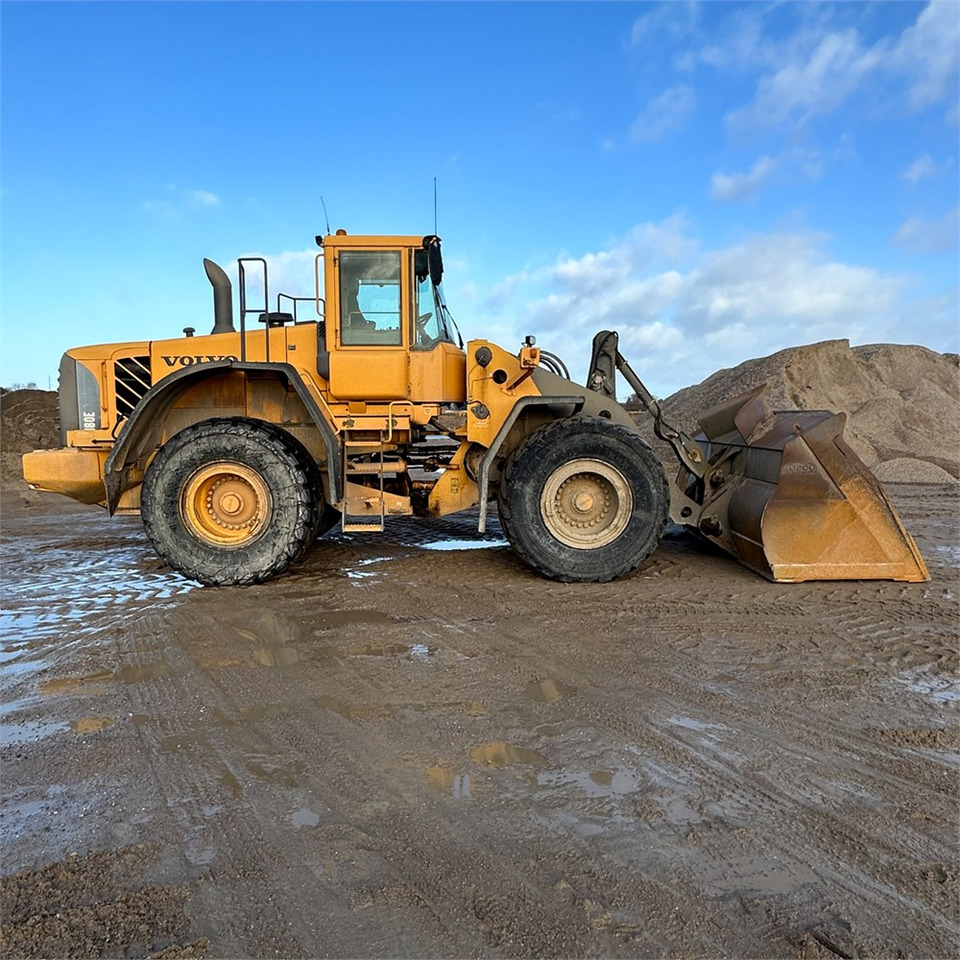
222, 298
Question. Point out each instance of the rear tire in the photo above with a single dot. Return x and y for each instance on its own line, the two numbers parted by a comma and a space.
230, 501
583, 500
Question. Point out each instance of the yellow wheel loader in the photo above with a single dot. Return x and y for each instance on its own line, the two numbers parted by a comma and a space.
360, 403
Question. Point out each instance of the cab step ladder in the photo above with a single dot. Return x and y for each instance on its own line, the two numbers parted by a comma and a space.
365, 511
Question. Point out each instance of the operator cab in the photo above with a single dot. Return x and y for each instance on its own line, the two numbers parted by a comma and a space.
383, 329
371, 301
393, 336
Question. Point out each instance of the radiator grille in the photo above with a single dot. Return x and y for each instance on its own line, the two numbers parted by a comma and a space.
132, 382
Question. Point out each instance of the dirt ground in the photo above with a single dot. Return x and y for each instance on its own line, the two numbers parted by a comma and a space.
411, 746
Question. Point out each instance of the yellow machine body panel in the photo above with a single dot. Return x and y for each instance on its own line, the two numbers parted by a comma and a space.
495, 388
75, 473
438, 375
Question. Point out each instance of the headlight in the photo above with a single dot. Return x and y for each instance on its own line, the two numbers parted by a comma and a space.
79, 398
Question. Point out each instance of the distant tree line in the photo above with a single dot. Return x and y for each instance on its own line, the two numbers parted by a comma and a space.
19, 386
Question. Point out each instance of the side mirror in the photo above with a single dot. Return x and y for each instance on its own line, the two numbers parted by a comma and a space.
436, 263
434, 259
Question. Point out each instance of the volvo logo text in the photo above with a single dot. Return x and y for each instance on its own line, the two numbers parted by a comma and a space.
190, 361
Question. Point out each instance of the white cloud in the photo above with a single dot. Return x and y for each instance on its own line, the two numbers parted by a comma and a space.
804, 61
503, 293
785, 280
814, 84
922, 235
664, 114
922, 168
817, 70
683, 312
787, 166
204, 198
742, 46
742, 186
177, 203
648, 246
677, 20
927, 53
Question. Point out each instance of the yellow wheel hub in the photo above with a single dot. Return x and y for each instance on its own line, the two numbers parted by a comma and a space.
586, 504
225, 503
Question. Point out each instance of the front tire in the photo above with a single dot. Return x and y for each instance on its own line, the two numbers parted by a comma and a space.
583, 500
230, 501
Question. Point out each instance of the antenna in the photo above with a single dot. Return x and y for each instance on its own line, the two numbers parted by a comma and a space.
434, 206
325, 215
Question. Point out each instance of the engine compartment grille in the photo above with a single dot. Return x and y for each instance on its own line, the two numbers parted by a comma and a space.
132, 380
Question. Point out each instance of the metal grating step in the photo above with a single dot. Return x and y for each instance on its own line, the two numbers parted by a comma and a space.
350, 527
387, 466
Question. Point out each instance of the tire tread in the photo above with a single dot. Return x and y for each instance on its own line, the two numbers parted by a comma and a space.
298, 488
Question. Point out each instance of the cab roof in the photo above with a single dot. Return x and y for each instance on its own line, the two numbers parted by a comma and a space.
342, 239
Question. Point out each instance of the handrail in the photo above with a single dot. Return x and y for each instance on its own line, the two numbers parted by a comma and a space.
244, 310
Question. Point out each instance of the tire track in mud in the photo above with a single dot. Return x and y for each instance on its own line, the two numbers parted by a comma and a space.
412, 851
222, 806
781, 798
713, 804
268, 776
425, 885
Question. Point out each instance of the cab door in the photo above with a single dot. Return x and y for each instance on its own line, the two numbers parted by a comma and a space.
369, 348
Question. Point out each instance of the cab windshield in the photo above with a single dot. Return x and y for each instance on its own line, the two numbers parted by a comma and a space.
433, 321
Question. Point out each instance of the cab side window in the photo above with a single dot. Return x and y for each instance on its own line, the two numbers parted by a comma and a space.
370, 298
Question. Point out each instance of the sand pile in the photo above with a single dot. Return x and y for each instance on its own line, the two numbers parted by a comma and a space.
28, 421
902, 403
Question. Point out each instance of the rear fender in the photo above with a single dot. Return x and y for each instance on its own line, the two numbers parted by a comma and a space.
142, 430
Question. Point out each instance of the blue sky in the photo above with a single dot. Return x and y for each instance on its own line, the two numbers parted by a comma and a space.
714, 180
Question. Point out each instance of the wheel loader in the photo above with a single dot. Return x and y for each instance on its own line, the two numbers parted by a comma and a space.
242, 447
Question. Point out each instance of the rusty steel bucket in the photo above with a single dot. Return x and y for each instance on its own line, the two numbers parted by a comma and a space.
794, 502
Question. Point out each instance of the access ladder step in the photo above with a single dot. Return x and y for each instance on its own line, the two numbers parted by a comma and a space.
352, 527
364, 513
384, 466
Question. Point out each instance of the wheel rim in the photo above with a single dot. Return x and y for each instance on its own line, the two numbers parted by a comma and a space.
586, 504
225, 503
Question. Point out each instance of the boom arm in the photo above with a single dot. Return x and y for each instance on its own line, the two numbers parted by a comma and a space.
606, 356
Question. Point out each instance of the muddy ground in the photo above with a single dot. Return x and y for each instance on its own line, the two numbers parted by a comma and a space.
411, 746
